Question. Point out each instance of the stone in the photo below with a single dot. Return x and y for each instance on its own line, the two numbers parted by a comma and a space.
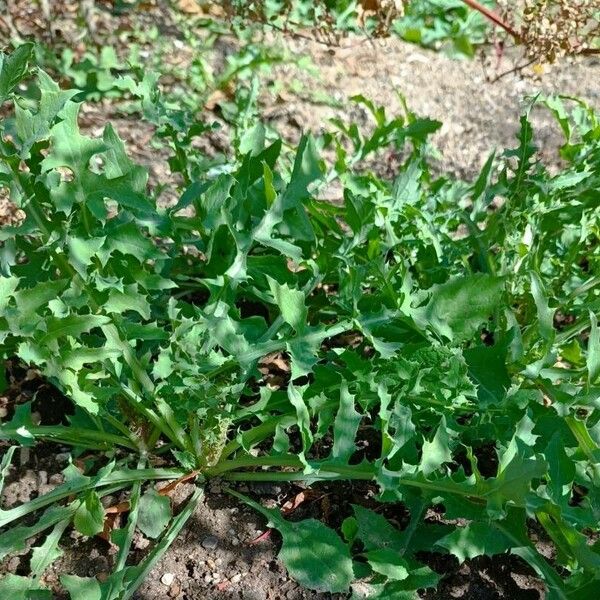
167, 579
210, 542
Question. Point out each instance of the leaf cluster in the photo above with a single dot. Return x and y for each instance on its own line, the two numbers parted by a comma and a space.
438, 338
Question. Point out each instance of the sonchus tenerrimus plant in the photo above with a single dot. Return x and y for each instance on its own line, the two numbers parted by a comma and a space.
440, 337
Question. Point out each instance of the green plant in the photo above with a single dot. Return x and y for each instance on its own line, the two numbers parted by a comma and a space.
418, 319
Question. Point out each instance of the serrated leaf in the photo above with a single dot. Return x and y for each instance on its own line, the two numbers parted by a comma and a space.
561, 469
458, 308
120, 302
315, 556
290, 303
13, 68
475, 539
545, 313
73, 325
437, 451
345, 427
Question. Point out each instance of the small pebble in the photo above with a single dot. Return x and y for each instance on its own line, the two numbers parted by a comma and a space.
210, 542
236, 578
167, 579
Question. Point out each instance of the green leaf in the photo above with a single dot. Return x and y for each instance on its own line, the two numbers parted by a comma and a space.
389, 563
303, 417
458, 308
545, 313
561, 469
14, 540
43, 556
291, 304
17, 587
593, 353
82, 588
154, 513
128, 239
437, 451
89, 517
345, 427
13, 69
313, 554
475, 539
131, 299
487, 368
376, 532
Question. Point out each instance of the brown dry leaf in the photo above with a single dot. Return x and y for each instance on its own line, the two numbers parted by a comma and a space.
276, 360
167, 489
304, 496
261, 538
117, 508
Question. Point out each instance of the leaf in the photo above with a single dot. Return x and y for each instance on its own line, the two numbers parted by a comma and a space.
475, 539
13, 69
303, 417
128, 240
561, 469
389, 563
514, 480
487, 368
154, 513
458, 308
89, 517
313, 554
593, 353
14, 540
17, 587
43, 556
437, 451
73, 325
291, 304
82, 588
545, 313
345, 427
376, 532
131, 299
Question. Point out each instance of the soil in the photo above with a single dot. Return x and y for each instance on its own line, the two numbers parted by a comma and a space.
215, 557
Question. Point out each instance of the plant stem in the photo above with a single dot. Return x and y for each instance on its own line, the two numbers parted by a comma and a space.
493, 17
